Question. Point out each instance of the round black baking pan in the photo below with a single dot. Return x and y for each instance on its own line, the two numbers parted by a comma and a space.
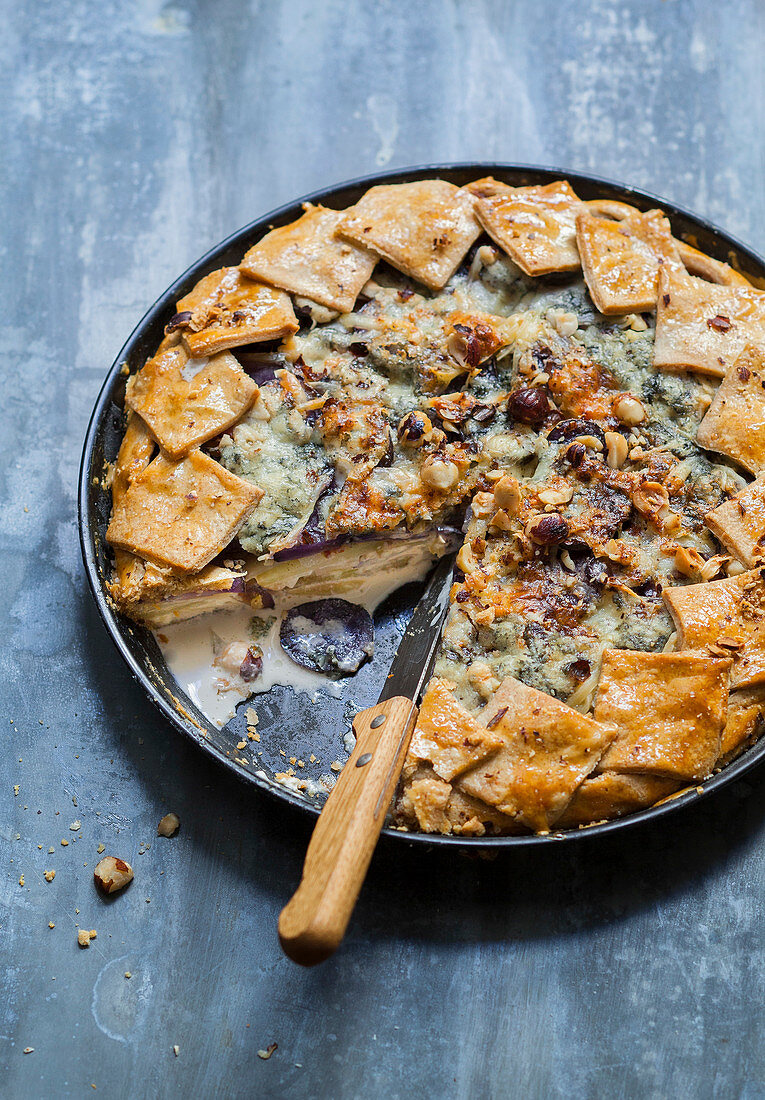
291, 724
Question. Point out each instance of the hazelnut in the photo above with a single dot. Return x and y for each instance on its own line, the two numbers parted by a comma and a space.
501, 520
440, 474
560, 495
650, 498
688, 561
414, 428
528, 404
629, 410
466, 560
547, 529
83, 937
616, 450
112, 874
169, 825
483, 504
563, 321
507, 494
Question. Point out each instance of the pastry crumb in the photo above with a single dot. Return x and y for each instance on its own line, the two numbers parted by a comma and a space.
49, 875
83, 937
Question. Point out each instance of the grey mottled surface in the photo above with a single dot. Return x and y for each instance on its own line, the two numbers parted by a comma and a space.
133, 137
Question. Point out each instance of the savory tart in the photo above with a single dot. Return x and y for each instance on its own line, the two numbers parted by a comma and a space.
560, 389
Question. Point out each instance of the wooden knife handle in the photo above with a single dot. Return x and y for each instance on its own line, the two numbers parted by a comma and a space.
314, 921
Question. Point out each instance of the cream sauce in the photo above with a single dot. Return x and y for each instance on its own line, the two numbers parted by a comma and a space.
191, 648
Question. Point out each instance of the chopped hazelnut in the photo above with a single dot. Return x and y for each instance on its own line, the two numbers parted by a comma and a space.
507, 495
171, 823
440, 474
629, 410
616, 450
49, 876
112, 874
83, 937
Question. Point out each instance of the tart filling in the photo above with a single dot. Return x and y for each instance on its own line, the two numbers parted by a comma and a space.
373, 388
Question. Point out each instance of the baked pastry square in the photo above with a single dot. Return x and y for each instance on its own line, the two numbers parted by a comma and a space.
622, 259
743, 723
549, 748
704, 326
307, 259
739, 524
447, 736
181, 513
227, 310
535, 225
613, 794
187, 401
725, 617
735, 422
668, 710
424, 229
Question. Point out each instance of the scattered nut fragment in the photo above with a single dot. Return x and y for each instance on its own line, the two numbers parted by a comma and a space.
713, 566
128, 974
440, 474
75, 826
556, 496
51, 924
112, 874
414, 429
501, 520
336, 766
268, 1051
64, 843
482, 504
629, 410
466, 560
100, 849
29, 1050
688, 561
563, 321
49, 876
176, 1050
507, 494
171, 823
83, 937
21, 881
547, 529
616, 450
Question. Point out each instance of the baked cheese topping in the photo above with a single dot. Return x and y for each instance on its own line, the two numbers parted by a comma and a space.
388, 372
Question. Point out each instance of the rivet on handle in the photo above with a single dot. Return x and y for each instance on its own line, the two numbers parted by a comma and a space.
378, 721
363, 759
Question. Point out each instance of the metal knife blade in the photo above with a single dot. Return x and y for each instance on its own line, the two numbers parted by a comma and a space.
416, 654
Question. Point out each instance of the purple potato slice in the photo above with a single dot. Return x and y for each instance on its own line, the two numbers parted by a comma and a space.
331, 636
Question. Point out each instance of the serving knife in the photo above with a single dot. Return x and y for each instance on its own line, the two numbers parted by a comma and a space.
313, 922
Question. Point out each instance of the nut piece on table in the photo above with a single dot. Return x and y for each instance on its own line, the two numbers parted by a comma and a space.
112, 874
169, 825
84, 937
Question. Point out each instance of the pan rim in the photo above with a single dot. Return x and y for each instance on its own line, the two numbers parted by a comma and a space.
115, 624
